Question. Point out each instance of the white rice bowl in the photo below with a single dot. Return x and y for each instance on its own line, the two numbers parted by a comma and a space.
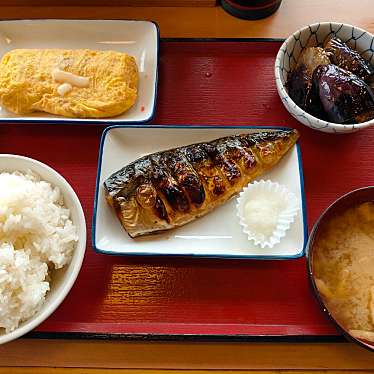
42, 243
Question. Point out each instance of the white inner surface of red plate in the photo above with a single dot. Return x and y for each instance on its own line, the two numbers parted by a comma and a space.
217, 233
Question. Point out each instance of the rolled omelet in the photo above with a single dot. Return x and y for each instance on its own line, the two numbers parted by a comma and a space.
73, 83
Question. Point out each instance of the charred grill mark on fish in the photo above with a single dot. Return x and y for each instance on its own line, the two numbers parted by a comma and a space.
186, 177
211, 177
226, 159
167, 189
166, 184
161, 210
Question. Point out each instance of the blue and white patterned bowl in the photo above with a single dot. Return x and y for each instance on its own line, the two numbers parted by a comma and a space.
315, 35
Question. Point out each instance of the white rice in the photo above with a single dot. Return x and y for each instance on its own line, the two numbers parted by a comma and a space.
36, 235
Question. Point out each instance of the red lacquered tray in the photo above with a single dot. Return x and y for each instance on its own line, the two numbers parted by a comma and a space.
200, 83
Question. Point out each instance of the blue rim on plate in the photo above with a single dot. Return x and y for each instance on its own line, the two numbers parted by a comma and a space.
195, 255
91, 121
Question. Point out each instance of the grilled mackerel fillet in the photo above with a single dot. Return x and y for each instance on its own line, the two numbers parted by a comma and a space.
168, 189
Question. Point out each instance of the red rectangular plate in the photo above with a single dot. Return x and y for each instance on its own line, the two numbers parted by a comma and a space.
202, 83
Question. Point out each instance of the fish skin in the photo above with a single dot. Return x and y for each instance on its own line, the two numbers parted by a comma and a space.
170, 188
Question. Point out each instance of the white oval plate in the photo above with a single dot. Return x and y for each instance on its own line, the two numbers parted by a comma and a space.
137, 38
218, 234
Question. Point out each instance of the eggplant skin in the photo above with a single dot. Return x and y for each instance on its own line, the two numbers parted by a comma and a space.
344, 96
348, 59
303, 93
168, 189
298, 85
299, 80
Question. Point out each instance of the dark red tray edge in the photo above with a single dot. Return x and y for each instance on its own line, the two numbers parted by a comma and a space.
190, 337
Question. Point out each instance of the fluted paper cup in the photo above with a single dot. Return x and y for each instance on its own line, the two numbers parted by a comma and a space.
265, 198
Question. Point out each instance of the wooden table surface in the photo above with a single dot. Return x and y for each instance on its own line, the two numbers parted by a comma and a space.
214, 22
99, 356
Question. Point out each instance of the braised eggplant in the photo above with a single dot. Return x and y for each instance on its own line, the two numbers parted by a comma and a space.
346, 58
345, 97
333, 83
299, 80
